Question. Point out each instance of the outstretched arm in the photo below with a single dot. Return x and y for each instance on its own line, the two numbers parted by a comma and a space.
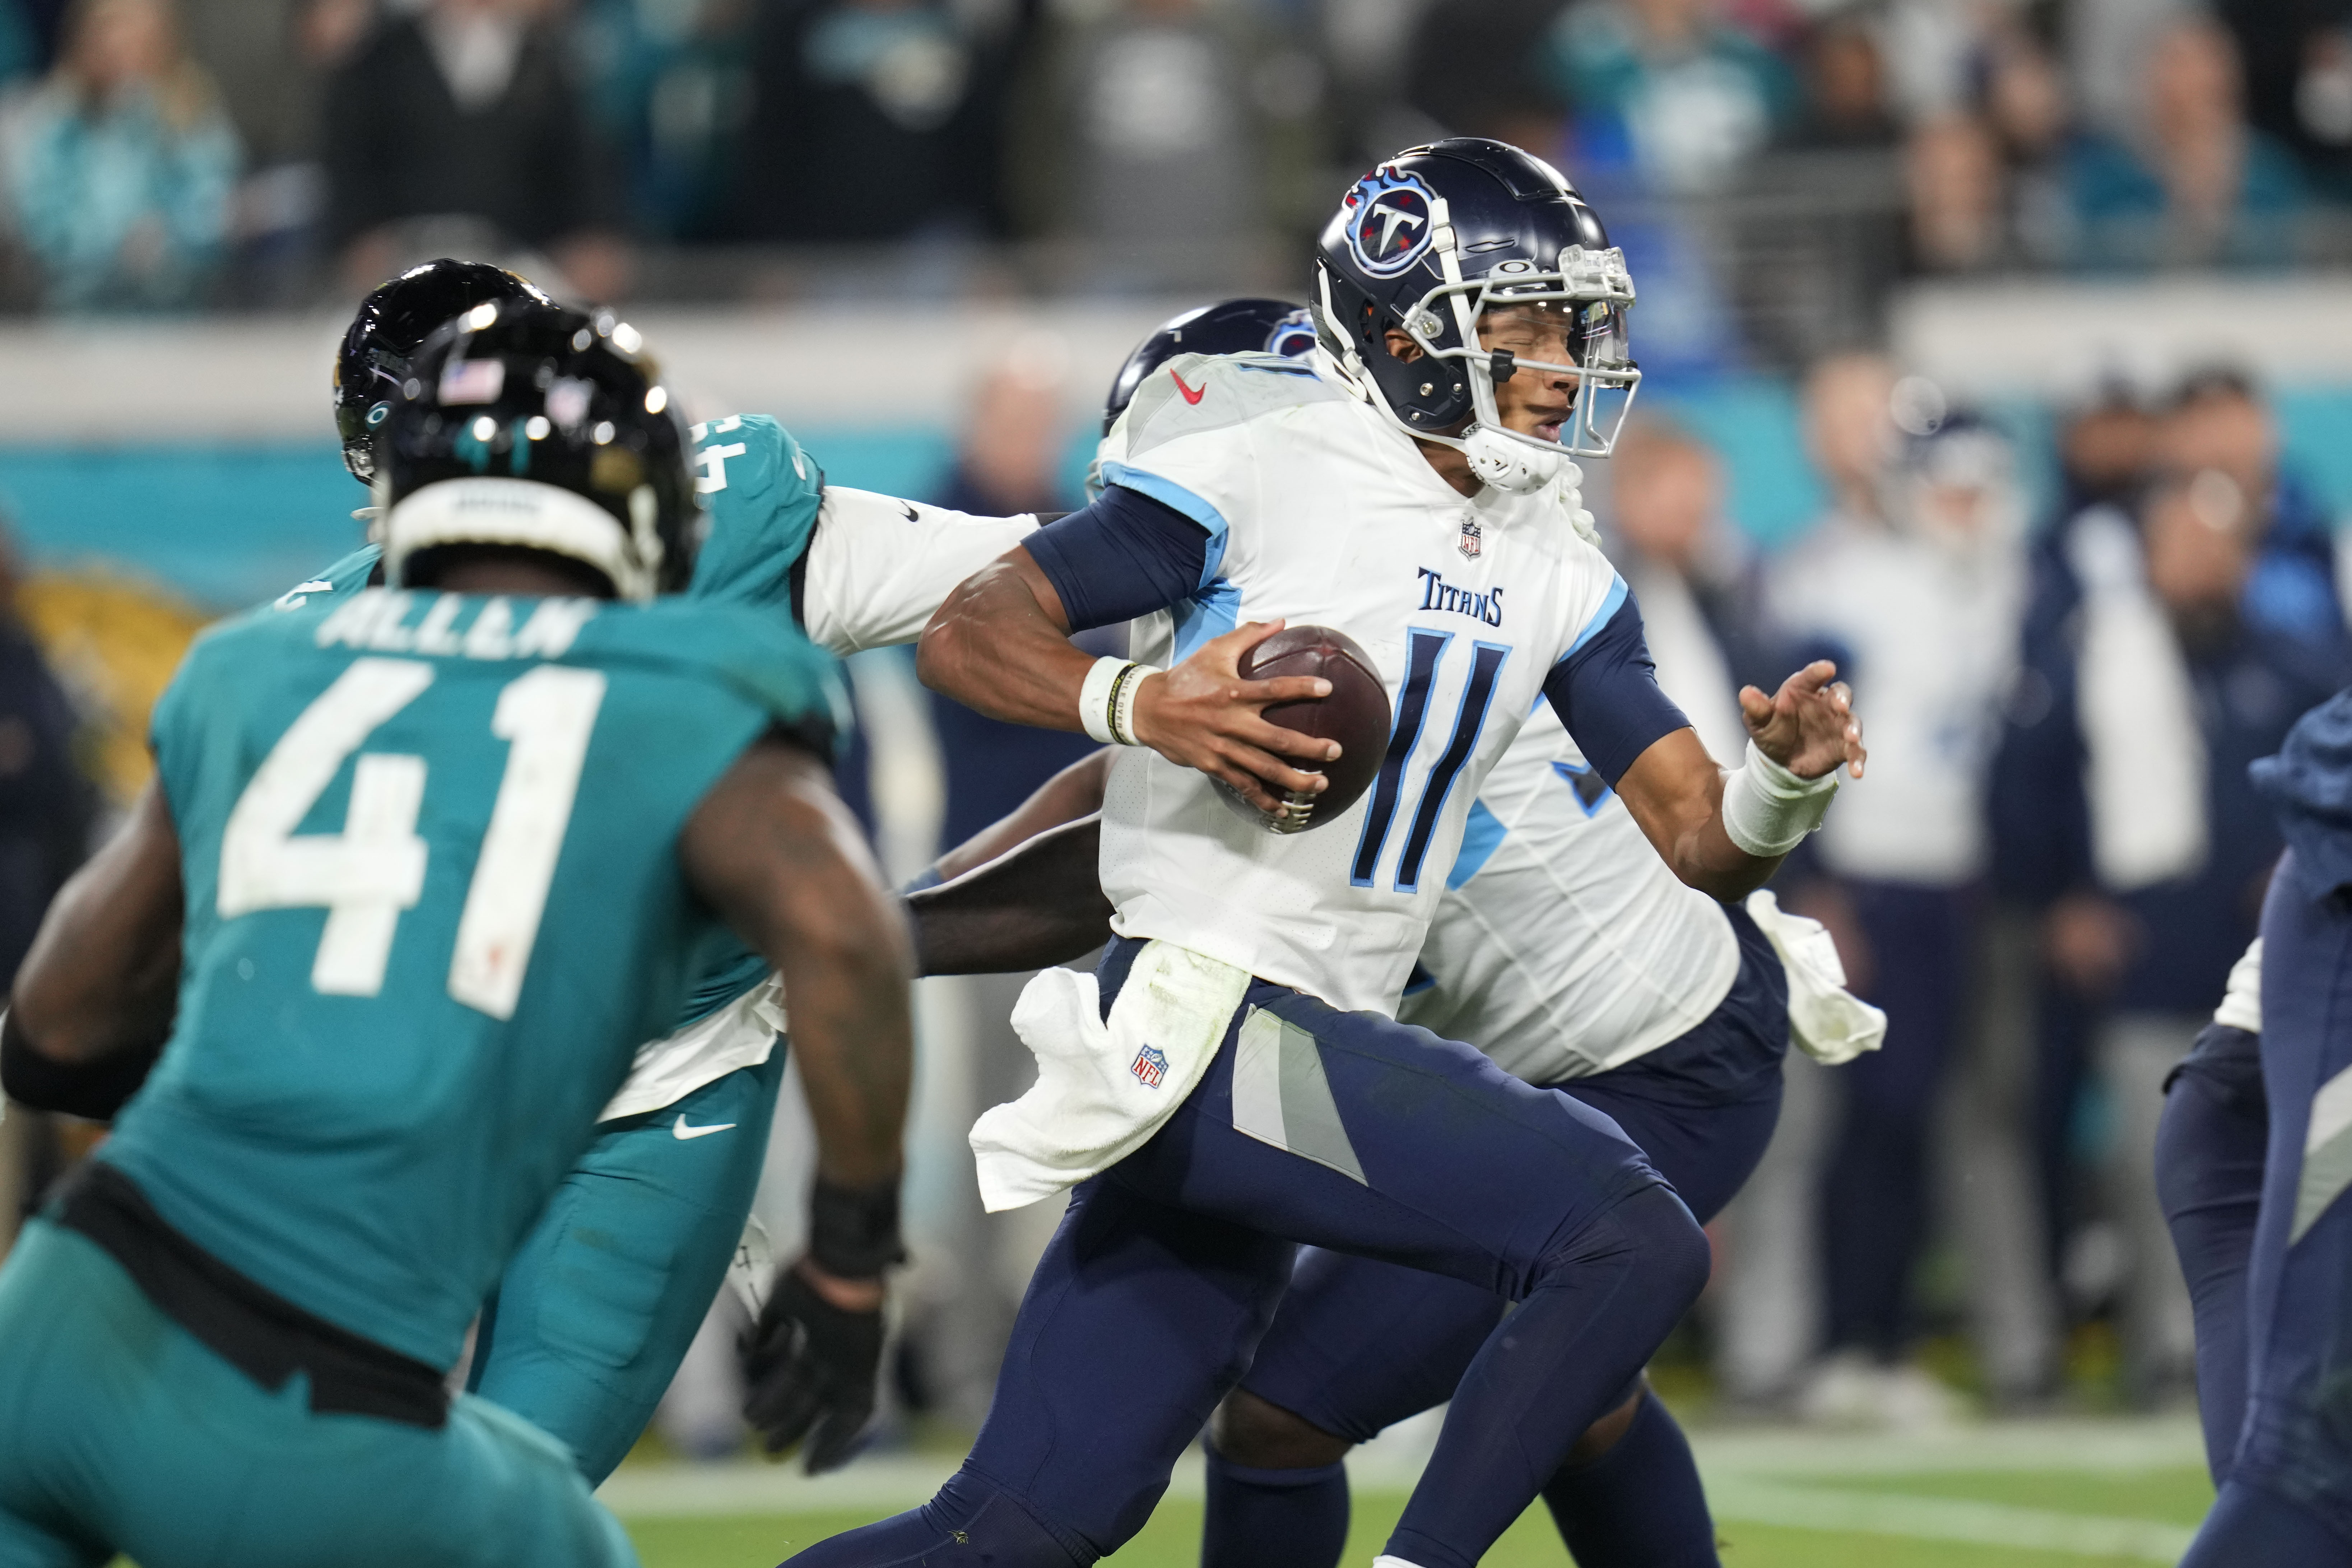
94, 999
1001, 644
1075, 792
1677, 794
1041, 903
776, 853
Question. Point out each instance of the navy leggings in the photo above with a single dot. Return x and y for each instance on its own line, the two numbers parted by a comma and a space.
1360, 1344
1153, 1294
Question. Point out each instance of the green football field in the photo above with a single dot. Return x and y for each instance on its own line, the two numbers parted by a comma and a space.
2060, 1494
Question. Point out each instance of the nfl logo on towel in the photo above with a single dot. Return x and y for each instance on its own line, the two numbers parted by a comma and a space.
1150, 1068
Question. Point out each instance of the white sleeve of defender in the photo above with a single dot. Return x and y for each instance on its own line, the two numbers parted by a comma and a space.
878, 566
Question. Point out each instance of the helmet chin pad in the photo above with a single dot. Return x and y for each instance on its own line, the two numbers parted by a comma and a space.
1507, 462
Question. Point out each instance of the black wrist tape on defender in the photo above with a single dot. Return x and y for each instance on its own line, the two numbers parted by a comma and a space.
853, 1231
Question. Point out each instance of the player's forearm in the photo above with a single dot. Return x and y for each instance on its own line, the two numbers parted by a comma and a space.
1040, 904
778, 856
1674, 791
1075, 792
996, 648
101, 980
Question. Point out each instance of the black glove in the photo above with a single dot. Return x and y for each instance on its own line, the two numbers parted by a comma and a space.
811, 1370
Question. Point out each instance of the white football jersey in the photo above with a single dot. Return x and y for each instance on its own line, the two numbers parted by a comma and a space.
1563, 946
1321, 512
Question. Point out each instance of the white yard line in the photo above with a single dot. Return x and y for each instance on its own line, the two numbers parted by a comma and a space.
1756, 1476
1945, 1519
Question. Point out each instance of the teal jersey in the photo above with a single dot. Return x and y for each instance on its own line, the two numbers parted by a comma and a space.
761, 491
434, 904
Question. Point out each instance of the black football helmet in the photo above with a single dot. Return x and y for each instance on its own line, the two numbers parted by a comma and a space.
1235, 327
540, 427
384, 335
1427, 242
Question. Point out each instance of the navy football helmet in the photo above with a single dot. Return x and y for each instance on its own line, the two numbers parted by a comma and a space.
384, 335
1438, 235
539, 428
1235, 327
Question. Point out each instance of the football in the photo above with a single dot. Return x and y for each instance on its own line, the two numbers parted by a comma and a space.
1356, 715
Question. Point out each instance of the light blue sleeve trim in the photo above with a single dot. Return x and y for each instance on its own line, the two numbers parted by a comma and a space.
1482, 835
1211, 613
1601, 617
1168, 493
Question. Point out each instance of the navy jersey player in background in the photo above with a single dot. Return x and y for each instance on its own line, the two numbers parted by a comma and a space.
592, 1317
421, 870
1406, 488
2273, 1295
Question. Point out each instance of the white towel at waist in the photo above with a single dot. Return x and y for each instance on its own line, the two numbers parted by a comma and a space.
1103, 1087
1828, 1022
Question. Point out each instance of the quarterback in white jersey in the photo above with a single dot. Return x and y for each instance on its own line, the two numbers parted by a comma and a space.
1245, 1088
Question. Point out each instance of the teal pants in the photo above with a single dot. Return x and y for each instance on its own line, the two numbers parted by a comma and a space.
598, 1306
119, 1431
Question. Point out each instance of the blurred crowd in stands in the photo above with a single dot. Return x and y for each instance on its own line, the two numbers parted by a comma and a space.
1770, 165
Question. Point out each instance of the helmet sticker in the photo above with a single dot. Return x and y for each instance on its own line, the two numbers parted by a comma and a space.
466, 381
1390, 221
1293, 335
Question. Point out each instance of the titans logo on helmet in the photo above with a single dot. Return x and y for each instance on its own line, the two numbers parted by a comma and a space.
1389, 221
1293, 335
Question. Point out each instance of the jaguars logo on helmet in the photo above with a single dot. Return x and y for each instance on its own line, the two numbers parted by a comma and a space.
532, 426
1429, 242
384, 335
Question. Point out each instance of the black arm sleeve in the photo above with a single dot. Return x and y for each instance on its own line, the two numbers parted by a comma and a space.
1123, 556
95, 1089
1606, 693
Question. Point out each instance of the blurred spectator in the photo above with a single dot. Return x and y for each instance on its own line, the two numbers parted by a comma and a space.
1665, 90
1958, 221
1011, 461
1846, 102
2177, 626
20, 44
121, 165
1694, 576
668, 86
467, 109
2192, 181
869, 120
1478, 70
1912, 583
2298, 68
1172, 136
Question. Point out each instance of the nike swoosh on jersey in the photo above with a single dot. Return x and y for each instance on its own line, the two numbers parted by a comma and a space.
679, 1128
908, 508
1189, 395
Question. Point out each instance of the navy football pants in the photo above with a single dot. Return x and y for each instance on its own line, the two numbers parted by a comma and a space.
1150, 1301
2210, 1144
2287, 1502
1360, 1345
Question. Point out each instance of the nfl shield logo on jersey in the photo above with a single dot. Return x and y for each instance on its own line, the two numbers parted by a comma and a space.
1474, 541
1150, 1068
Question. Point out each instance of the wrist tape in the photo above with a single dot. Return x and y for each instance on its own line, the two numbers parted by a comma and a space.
1767, 810
1107, 700
853, 1231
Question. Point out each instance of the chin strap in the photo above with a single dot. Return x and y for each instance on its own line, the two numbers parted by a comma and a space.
1507, 464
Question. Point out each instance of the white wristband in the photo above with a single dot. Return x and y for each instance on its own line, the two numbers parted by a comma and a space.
1107, 700
1122, 702
1095, 698
1767, 810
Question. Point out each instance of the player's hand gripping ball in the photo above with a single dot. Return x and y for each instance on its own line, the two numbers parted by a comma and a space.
1356, 715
